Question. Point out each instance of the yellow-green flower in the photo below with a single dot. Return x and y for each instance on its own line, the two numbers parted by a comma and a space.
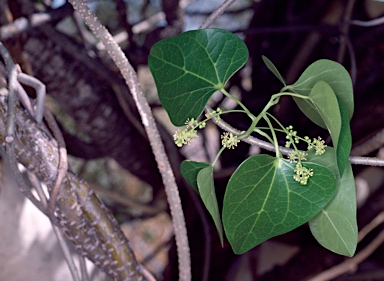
229, 140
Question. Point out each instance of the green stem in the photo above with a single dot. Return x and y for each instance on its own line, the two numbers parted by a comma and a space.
260, 132
235, 111
267, 128
218, 155
278, 122
236, 100
290, 94
250, 129
275, 143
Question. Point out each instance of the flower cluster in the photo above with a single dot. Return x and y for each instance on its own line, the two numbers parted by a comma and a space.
189, 133
228, 140
295, 156
184, 136
302, 174
318, 144
214, 114
291, 136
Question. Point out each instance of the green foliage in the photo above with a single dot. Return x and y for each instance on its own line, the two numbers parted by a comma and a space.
266, 196
273, 69
345, 140
190, 169
200, 176
326, 104
208, 195
190, 67
263, 200
335, 226
330, 72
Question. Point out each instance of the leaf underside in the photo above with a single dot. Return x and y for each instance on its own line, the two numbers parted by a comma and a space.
337, 78
335, 227
208, 195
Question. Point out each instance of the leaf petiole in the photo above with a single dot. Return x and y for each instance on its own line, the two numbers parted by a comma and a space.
275, 143
290, 94
236, 100
218, 155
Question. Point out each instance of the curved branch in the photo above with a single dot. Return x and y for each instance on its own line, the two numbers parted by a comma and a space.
153, 135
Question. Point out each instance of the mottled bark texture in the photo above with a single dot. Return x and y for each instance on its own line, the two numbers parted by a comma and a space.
81, 215
85, 90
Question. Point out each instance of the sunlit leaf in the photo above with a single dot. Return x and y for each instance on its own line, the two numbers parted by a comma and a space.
208, 195
190, 67
263, 200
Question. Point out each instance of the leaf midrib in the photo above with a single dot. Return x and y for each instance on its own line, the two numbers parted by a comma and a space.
186, 71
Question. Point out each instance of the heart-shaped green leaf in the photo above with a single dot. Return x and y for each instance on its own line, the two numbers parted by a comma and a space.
335, 75
208, 195
273, 69
263, 200
335, 227
189, 170
190, 67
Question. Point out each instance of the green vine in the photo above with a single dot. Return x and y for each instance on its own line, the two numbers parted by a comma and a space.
266, 196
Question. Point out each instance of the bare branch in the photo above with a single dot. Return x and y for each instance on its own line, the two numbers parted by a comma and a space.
369, 23
23, 24
352, 263
148, 121
344, 31
85, 220
63, 162
217, 13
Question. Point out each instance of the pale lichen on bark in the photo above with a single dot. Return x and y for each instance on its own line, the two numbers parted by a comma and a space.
83, 217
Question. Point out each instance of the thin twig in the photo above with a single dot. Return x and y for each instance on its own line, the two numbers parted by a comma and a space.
86, 221
21, 183
63, 161
217, 13
367, 161
369, 23
10, 127
352, 57
155, 141
370, 145
63, 244
12, 98
344, 31
40, 93
127, 202
83, 268
379, 219
23, 24
352, 263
